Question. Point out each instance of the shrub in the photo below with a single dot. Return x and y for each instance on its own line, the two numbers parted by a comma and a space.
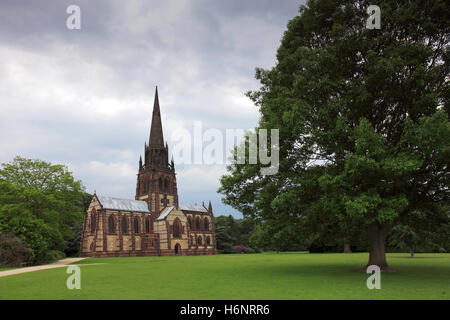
13, 251
257, 250
240, 249
250, 250
54, 255
226, 248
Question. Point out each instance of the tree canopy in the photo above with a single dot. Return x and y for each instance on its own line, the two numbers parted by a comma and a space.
43, 205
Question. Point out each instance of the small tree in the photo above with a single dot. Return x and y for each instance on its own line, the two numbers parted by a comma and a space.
405, 237
13, 251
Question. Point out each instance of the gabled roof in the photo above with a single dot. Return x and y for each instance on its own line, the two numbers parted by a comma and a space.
165, 212
193, 207
123, 204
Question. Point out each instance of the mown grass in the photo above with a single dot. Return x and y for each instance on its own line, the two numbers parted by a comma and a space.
239, 276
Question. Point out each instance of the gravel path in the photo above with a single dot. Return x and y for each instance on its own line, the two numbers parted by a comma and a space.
57, 264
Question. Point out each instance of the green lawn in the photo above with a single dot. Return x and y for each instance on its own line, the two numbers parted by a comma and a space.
239, 276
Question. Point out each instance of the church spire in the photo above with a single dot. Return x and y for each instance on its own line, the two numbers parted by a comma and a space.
156, 133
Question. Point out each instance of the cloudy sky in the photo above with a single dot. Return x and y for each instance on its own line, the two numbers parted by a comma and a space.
84, 97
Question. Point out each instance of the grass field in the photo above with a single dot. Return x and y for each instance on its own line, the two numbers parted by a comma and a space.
239, 276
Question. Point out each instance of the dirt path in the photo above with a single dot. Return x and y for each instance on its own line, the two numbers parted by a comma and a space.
57, 264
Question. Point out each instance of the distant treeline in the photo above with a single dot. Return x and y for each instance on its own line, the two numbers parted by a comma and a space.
247, 236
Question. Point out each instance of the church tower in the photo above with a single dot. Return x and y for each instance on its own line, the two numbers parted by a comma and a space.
156, 178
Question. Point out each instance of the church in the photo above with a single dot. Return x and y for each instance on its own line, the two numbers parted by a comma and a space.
153, 224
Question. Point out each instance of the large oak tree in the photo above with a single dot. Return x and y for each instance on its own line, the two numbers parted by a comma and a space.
363, 120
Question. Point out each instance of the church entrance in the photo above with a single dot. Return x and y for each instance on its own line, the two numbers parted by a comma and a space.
177, 249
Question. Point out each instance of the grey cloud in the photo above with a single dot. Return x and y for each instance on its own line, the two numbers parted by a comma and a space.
84, 97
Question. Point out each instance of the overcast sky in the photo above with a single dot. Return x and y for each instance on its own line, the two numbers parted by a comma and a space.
84, 97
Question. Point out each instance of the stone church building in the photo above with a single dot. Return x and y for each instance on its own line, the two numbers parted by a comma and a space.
153, 224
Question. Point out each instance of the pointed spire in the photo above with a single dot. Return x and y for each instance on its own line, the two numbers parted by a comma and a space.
209, 207
140, 162
156, 133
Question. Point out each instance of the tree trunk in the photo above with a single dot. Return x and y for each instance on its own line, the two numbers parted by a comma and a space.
377, 255
347, 248
411, 252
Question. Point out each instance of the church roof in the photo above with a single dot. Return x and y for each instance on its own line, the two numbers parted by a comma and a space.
165, 212
193, 207
188, 207
123, 204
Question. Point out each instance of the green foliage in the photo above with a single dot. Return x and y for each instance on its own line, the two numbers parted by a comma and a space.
273, 236
363, 120
250, 250
404, 237
13, 251
42, 204
223, 240
231, 232
54, 255
420, 235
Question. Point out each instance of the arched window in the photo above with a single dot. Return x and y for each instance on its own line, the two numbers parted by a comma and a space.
190, 222
191, 240
199, 240
177, 228
111, 224
147, 225
124, 225
206, 224
160, 184
166, 185
197, 223
136, 225
208, 240
93, 221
